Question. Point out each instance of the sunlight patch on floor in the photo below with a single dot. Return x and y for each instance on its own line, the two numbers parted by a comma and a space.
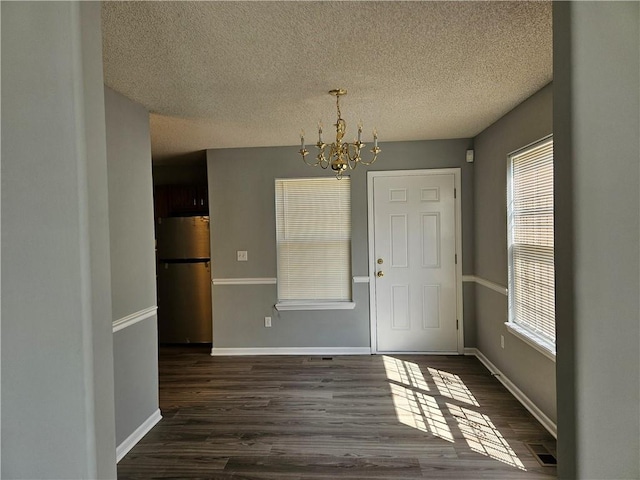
407, 373
434, 417
483, 437
419, 410
452, 386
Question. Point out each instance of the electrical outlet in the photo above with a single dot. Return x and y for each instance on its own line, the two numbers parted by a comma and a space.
242, 255
267, 322
502, 341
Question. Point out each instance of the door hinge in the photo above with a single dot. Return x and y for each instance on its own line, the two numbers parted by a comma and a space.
455, 193
456, 258
457, 326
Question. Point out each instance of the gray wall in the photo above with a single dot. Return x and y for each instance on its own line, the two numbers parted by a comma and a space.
596, 117
242, 206
57, 362
531, 371
133, 283
136, 376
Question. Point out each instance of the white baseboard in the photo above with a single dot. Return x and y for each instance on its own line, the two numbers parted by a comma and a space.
137, 435
291, 351
546, 422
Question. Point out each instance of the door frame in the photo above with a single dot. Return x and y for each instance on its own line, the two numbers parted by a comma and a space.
458, 248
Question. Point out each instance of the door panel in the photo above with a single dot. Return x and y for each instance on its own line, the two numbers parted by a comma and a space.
415, 246
400, 315
430, 240
399, 241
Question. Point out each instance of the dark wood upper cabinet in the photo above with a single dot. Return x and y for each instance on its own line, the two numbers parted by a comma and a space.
181, 200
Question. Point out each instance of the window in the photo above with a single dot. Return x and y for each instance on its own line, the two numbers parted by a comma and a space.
313, 236
530, 243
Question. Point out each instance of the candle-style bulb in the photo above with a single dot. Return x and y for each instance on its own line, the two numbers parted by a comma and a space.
375, 137
302, 139
359, 129
319, 132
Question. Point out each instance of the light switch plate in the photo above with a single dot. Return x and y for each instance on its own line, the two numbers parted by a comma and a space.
242, 255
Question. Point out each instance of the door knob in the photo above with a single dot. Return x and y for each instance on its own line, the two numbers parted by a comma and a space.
380, 274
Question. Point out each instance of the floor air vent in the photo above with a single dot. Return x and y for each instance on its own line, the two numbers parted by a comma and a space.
542, 454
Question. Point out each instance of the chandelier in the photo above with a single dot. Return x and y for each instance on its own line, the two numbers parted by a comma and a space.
342, 155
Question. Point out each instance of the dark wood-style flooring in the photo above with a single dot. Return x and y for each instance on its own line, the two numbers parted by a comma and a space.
344, 417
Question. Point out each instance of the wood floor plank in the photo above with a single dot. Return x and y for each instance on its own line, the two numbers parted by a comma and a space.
320, 466
347, 417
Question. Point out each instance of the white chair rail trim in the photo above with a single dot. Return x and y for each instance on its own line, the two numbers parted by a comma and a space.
134, 318
245, 281
486, 283
266, 280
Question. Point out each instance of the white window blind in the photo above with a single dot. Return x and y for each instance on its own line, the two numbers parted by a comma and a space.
313, 233
530, 242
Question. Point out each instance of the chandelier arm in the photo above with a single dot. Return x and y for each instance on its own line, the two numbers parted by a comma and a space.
352, 159
322, 159
375, 151
311, 164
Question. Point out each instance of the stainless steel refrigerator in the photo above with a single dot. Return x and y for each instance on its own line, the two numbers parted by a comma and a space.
184, 280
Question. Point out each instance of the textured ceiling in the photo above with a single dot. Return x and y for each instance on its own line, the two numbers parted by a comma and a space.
241, 74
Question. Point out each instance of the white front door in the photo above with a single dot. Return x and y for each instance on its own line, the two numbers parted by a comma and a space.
414, 255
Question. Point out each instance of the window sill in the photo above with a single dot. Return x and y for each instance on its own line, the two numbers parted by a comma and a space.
315, 306
546, 348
